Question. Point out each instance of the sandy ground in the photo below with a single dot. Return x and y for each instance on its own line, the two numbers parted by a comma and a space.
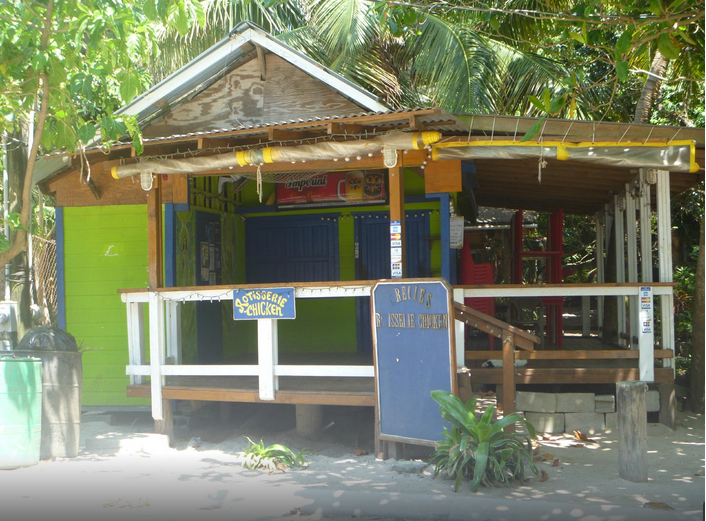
203, 476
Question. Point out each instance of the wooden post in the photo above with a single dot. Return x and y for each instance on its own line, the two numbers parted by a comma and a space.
667, 405
508, 402
631, 405
166, 424
396, 179
631, 226
645, 228
136, 338
586, 316
174, 350
155, 251
646, 337
618, 204
266, 348
156, 312
600, 266
664, 243
460, 331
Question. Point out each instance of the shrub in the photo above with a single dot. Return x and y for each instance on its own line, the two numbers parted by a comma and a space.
274, 457
480, 450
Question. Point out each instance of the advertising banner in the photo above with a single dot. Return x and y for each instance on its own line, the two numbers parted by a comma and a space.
333, 189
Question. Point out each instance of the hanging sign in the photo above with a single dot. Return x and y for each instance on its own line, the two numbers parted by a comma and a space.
646, 309
334, 189
413, 332
251, 304
396, 249
456, 232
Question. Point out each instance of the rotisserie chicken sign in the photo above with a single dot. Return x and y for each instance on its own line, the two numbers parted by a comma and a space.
251, 304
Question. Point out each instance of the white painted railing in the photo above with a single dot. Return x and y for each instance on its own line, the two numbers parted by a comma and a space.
165, 339
645, 339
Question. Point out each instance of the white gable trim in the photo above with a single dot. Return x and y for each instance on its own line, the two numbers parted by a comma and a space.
146, 105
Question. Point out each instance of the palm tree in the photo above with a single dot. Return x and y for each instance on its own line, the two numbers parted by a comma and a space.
442, 58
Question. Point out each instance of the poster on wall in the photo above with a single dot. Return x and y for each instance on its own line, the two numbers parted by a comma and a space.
208, 236
334, 189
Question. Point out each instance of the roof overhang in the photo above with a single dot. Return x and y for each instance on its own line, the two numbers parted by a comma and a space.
577, 187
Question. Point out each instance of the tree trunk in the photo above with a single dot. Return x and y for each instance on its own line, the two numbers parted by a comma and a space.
610, 304
650, 89
19, 268
696, 384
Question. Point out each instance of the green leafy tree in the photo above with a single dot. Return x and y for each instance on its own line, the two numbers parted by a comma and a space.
65, 66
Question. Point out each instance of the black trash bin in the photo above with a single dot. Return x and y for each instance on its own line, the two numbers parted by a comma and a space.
62, 374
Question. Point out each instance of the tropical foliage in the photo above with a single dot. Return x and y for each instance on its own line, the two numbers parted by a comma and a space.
480, 450
273, 457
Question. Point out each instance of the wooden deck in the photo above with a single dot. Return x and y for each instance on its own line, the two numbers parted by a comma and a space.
295, 390
582, 360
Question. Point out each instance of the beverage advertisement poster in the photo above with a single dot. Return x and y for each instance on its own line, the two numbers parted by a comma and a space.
334, 189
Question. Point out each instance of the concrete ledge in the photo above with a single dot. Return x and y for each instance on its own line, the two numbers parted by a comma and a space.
586, 422
535, 402
552, 423
611, 420
576, 402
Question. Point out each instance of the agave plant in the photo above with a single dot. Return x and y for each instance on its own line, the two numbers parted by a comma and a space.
273, 457
480, 450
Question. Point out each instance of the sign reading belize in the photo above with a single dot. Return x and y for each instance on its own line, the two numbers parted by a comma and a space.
415, 353
250, 304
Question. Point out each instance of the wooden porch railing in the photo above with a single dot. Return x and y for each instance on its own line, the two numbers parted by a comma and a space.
511, 337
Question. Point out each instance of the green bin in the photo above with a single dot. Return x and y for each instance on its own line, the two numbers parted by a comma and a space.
20, 411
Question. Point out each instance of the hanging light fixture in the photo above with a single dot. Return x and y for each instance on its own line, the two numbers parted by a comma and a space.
389, 156
146, 181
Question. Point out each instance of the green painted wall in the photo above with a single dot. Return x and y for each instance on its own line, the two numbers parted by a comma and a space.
105, 250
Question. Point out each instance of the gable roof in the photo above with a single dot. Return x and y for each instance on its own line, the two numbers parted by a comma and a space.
226, 55
207, 68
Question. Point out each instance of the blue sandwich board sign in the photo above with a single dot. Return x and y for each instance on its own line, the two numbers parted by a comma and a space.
251, 304
415, 354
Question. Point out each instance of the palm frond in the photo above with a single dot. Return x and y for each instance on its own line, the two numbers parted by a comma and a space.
345, 27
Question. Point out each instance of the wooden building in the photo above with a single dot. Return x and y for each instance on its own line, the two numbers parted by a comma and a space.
151, 247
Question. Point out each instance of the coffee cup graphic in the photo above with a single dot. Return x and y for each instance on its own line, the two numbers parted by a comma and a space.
352, 186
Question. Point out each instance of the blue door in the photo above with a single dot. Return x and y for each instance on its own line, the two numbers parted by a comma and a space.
372, 235
299, 248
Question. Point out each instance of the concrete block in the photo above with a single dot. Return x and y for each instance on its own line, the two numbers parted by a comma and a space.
535, 402
551, 423
575, 402
586, 422
138, 442
652, 400
611, 420
605, 403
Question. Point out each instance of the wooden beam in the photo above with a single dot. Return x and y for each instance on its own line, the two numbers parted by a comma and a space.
524, 375
262, 62
591, 354
508, 401
276, 134
346, 128
664, 243
396, 186
154, 234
